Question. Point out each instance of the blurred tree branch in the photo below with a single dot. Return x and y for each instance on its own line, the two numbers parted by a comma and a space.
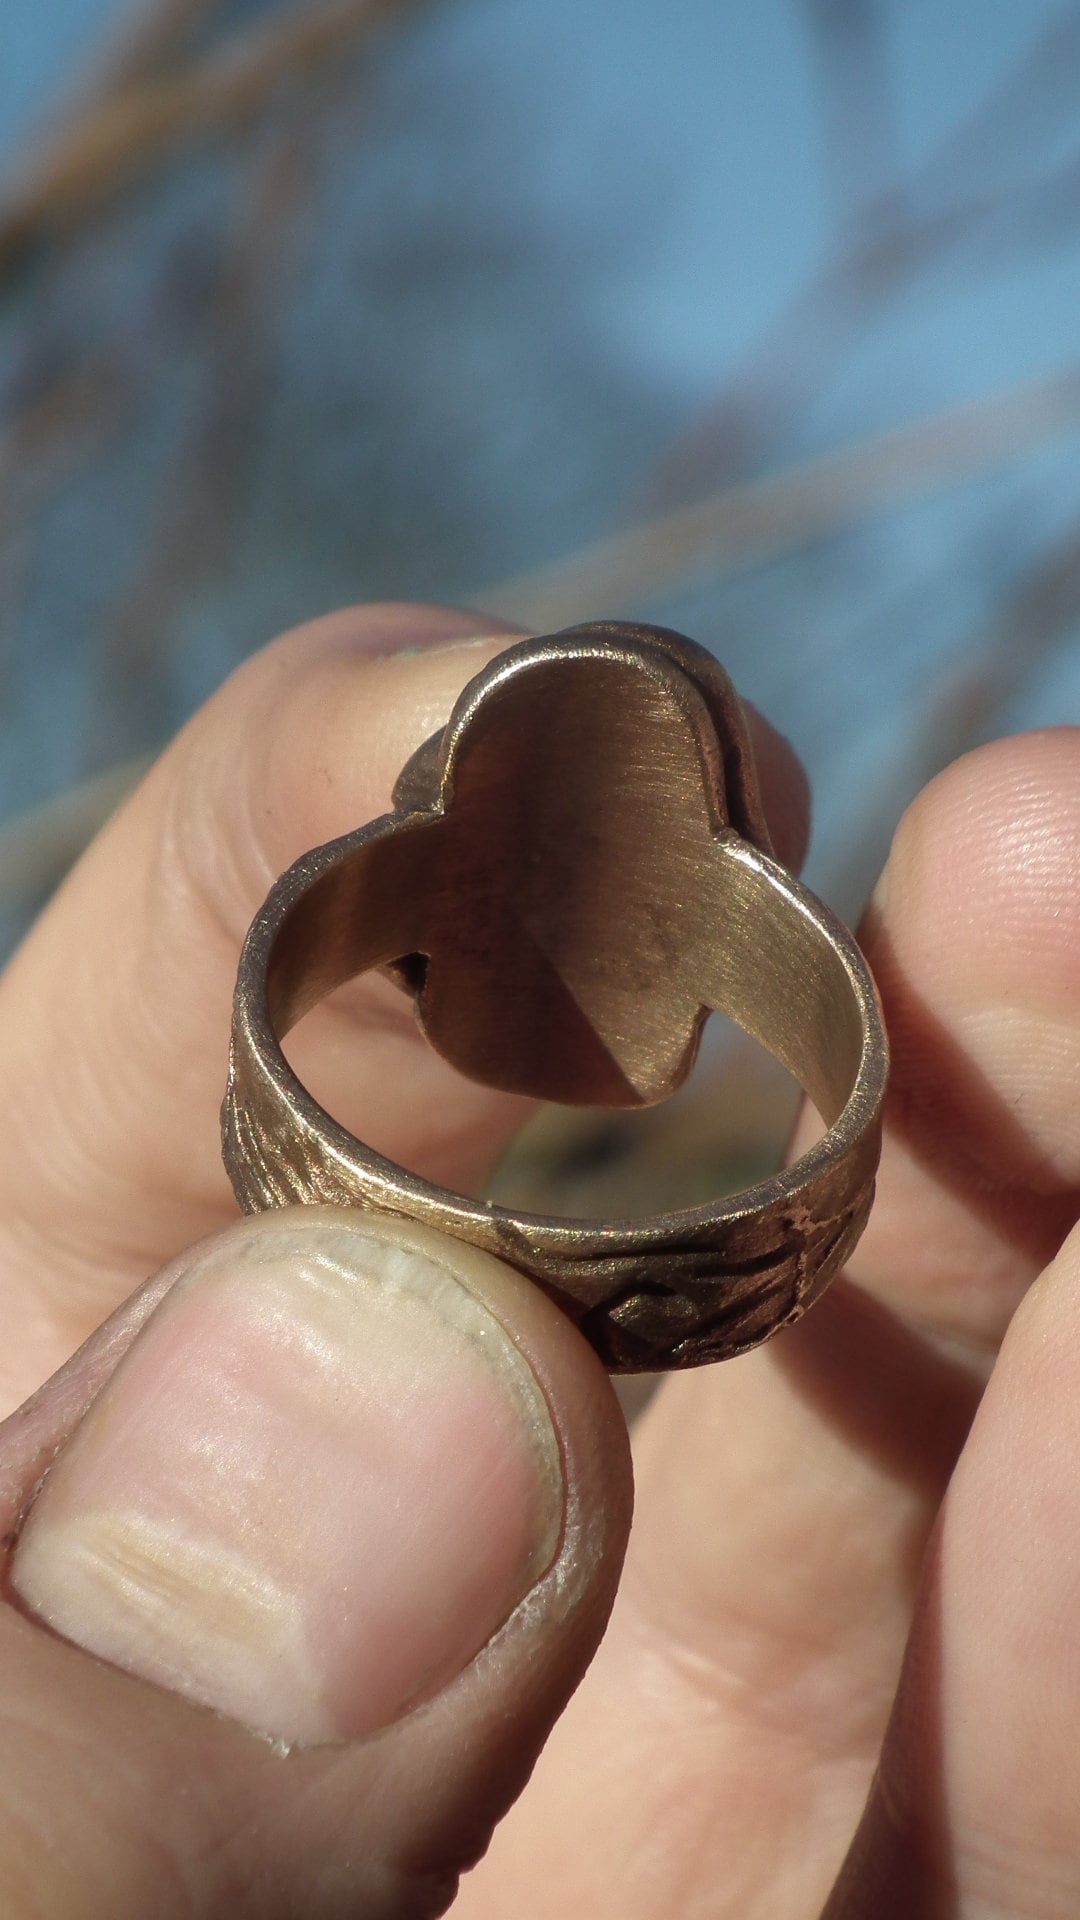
742, 525
738, 527
911, 226
857, 110
144, 115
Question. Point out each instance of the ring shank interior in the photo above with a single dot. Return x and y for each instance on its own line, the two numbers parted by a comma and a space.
577, 873
763, 956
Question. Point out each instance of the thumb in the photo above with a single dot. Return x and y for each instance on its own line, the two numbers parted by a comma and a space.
360, 1491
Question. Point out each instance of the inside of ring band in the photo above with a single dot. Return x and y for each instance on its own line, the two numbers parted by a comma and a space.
779, 976
748, 946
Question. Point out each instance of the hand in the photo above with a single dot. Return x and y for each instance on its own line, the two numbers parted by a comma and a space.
817, 1516
320, 1472
223, 1518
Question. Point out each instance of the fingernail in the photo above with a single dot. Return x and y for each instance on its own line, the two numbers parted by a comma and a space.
318, 1482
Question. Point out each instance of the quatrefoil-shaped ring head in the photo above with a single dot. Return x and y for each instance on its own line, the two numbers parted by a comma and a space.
575, 871
579, 791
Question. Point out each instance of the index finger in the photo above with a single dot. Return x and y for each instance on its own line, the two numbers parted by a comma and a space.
114, 1015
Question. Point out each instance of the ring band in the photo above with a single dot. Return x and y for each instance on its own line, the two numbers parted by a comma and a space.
576, 872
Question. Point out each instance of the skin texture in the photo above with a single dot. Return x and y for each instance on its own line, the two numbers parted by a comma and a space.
888, 1494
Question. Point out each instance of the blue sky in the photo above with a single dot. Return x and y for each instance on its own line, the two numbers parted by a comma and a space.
544, 240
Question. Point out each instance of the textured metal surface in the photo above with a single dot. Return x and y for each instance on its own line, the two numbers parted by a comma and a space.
575, 873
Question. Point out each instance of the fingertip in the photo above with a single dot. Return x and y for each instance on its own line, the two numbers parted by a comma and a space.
974, 936
785, 789
974, 939
982, 875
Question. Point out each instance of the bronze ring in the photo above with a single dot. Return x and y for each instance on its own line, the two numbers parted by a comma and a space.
576, 871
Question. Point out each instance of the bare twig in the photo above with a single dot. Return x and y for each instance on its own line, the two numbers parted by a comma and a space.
736, 528
744, 525
944, 199
210, 466
148, 43
966, 704
55, 432
1038, 617
858, 121
137, 126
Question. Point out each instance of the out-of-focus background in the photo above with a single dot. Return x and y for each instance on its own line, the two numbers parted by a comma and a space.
761, 319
